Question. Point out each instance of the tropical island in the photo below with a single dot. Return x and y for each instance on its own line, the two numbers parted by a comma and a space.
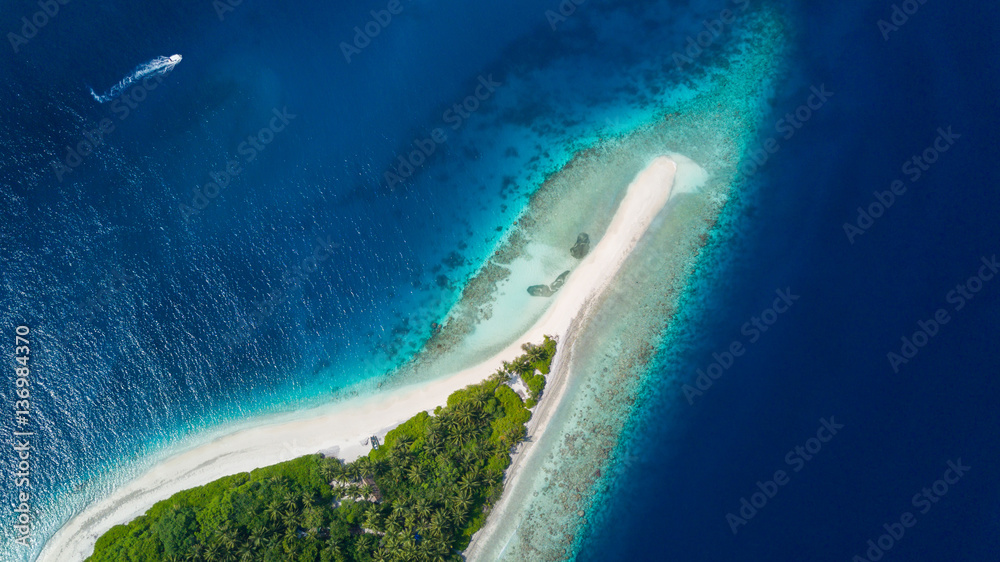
420, 495
165, 511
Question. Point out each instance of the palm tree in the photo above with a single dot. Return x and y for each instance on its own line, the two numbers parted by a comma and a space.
409, 547
411, 520
213, 552
290, 502
422, 507
398, 510
454, 439
467, 483
465, 414
311, 519
439, 519
480, 399
533, 352
329, 471
245, 552
367, 543
273, 511
433, 444
256, 539
226, 535
482, 456
333, 550
463, 500
521, 366
396, 473
365, 466
374, 520
353, 471
404, 442
435, 531
290, 518
415, 473
499, 377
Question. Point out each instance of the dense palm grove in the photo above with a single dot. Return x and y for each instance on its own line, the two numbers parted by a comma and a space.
419, 497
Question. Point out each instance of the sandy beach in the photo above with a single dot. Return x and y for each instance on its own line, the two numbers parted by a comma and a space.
490, 541
343, 428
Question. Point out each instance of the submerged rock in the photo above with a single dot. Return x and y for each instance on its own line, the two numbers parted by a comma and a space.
540, 291
560, 281
581, 247
549, 290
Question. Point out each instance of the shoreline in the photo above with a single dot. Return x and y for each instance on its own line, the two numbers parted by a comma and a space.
688, 176
341, 430
554, 392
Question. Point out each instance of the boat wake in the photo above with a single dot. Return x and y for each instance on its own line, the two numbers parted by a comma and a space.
155, 67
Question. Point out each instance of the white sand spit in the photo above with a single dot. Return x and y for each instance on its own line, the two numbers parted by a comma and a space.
344, 426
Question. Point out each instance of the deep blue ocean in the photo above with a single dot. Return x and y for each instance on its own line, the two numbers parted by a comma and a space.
826, 357
157, 311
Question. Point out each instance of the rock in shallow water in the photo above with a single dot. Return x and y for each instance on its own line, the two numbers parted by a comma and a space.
581, 247
549, 290
540, 291
560, 281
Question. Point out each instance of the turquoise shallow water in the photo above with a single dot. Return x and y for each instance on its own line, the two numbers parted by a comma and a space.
152, 330
155, 328
616, 350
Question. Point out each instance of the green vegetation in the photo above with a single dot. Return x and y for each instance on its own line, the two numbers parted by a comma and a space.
535, 358
420, 496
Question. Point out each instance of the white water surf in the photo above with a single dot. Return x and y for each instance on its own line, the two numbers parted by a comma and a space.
155, 67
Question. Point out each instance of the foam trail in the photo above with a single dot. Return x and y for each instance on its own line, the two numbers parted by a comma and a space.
155, 67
